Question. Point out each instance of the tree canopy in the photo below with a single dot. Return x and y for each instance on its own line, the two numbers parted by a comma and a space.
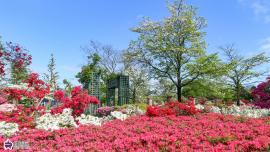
174, 48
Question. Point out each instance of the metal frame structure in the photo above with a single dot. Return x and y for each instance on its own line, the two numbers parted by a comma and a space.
121, 82
94, 90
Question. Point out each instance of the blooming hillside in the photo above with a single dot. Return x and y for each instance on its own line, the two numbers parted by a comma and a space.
203, 132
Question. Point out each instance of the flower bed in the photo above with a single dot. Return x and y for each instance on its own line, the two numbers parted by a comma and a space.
203, 132
172, 108
245, 110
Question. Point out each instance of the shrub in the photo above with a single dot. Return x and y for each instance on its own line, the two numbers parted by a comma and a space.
78, 101
104, 111
172, 108
261, 94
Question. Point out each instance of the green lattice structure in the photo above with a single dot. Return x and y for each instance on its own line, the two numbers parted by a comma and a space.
94, 90
121, 84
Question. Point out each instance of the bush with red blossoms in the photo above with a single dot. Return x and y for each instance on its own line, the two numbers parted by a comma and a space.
202, 132
22, 116
3, 98
58, 95
36, 90
14, 54
172, 108
78, 102
104, 111
261, 94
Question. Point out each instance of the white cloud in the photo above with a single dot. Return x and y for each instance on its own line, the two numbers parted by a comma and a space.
260, 8
265, 46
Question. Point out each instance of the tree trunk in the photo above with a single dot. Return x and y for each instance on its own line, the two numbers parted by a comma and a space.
179, 93
134, 95
179, 87
238, 94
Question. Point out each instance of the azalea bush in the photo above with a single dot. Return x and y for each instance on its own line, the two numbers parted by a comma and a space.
22, 116
172, 108
244, 110
104, 111
261, 94
55, 122
30, 93
16, 57
3, 98
8, 129
78, 102
90, 120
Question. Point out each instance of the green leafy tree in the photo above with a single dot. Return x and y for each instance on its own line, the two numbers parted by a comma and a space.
162, 89
174, 48
18, 74
67, 87
102, 59
208, 88
242, 70
52, 76
85, 75
138, 78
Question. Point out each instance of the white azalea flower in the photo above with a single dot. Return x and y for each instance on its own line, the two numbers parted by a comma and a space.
199, 106
55, 122
88, 119
248, 111
133, 110
119, 115
8, 129
215, 109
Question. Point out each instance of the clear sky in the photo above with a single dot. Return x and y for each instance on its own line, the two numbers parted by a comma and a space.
62, 27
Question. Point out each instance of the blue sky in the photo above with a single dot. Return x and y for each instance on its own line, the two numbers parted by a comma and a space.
62, 27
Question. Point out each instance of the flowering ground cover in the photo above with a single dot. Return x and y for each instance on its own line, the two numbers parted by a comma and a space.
201, 132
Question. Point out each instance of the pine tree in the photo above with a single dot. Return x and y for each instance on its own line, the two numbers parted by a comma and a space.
52, 76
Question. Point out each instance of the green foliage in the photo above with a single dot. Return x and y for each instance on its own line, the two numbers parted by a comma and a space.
67, 87
139, 81
52, 76
142, 106
85, 75
221, 139
208, 89
18, 75
242, 70
174, 48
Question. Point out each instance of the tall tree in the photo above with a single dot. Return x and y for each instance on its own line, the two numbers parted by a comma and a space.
85, 75
242, 70
174, 48
52, 76
18, 74
209, 88
139, 79
102, 59
19, 61
109, 57
67, 87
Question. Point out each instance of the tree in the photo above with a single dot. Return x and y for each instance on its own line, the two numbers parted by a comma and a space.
163, 89
242, 70
138, 79
18, 60
52, 76
68, 87
85, 76
102, 59
174, 48
209, 89
109, 57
